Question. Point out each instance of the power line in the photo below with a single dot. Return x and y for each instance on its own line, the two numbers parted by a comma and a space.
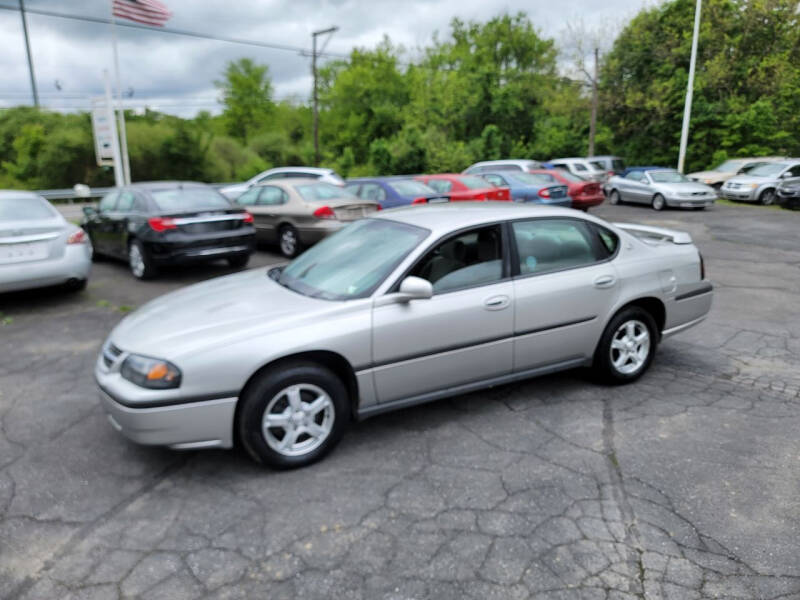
173, 31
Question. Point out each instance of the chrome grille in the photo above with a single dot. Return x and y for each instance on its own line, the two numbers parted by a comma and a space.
110, 354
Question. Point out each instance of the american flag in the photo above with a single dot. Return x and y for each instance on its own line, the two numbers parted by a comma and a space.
148, 12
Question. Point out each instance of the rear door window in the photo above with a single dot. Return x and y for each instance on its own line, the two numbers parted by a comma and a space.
125, 202
272, 195
442, 186
547, 245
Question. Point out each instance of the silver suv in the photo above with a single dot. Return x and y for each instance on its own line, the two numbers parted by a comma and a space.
759, 184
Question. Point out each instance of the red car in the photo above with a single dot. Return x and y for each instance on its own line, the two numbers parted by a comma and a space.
464, 187
584, 193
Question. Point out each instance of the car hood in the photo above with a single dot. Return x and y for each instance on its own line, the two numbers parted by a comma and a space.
751, 179
715, 175
683, 187
213, 313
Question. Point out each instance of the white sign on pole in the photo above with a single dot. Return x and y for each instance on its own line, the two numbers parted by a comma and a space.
103, 135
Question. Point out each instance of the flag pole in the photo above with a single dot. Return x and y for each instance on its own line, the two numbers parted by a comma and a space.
687, 105
119, 180
123, 138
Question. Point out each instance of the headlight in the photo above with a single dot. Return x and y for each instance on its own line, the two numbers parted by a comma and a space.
152, 373
753, 186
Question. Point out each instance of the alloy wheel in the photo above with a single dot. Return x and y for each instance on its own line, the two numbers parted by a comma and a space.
136, 260
658, 202
288, 242
768, 197
630, 347
298, 419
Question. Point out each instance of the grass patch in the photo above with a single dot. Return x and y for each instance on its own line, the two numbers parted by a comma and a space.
122, 308
726, 202
5, 320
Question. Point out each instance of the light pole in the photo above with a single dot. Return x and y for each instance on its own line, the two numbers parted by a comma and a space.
28, 51
687, 106
329, 30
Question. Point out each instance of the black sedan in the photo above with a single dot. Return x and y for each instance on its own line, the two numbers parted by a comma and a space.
168, 223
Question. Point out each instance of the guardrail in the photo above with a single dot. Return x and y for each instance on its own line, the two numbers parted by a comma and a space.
68, 195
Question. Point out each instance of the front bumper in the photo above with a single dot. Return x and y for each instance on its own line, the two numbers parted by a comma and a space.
746, 195
692, 202
164, 417
75, 263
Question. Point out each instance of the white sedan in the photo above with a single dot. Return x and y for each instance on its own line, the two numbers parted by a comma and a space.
38, 247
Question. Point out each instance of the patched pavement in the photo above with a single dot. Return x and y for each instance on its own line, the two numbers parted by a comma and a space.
683, 485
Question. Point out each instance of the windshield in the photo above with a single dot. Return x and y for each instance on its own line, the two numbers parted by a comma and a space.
768, 170
533, 178
473, 182
190, 198
409, 187
352, 262
316, 192
24, 209
667, 177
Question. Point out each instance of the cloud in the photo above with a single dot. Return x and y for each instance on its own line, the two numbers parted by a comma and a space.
176, 73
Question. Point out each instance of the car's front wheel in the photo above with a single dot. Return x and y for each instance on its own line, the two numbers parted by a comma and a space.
293, 415
658, 202
613, 197
627, 346
767, 197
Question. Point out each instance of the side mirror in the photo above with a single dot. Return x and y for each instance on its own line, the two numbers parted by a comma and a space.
786, 175
411, 288
416, 288
89, 211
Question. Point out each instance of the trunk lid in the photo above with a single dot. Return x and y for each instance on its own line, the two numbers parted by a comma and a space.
31, 240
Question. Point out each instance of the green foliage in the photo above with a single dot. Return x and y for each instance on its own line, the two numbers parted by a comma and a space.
747, 82
479, 91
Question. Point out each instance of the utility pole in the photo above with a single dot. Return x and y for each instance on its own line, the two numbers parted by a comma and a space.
593, 120
28, 50
123, 135
329, 30
687, 107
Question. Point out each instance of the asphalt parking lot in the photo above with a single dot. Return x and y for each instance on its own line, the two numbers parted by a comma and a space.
683, 485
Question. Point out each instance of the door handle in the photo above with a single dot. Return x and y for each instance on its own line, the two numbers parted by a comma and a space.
496, 302
605, 281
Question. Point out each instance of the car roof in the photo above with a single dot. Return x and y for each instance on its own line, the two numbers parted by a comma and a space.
442, 218
318, 170
381, 178
157, 185
290, 182
504, 161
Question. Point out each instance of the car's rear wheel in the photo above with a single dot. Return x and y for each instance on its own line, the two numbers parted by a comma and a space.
289, 241
658, 202
238, 262
139, 261
627, 346
614, 198
767, 197
293, 415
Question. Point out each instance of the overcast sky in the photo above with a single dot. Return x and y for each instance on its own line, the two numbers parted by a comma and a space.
175, 74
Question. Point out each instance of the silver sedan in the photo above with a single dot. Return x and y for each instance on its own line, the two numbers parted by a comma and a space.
660, 188
408, 306
38, 247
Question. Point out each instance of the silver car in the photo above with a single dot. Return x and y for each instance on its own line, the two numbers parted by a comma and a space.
409, 306
659, 188
38, 247
759, 184
235, 190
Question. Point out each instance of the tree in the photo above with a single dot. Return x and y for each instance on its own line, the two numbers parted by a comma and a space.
247, 96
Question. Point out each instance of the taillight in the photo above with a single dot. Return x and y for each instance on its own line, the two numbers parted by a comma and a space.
378, 207
79, 237
247, 217
544, 193
160, 224
324, 212
419, 201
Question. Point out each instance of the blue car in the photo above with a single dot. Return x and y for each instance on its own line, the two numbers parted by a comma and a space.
539, 188
394, 191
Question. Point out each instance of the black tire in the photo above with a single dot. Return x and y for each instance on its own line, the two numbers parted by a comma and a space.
614, 198
268, 390
604, 357
76, 285
289, 248
143, 267
658, 202
767, 197
239, 262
